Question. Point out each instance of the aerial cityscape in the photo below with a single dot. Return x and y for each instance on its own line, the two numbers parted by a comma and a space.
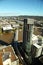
21, 32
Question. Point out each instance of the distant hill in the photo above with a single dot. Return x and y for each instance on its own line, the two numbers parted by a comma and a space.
33, 17
22, 17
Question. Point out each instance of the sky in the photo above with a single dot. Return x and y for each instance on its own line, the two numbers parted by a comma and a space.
21, 7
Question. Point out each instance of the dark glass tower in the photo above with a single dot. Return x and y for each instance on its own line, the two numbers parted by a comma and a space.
27, 36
